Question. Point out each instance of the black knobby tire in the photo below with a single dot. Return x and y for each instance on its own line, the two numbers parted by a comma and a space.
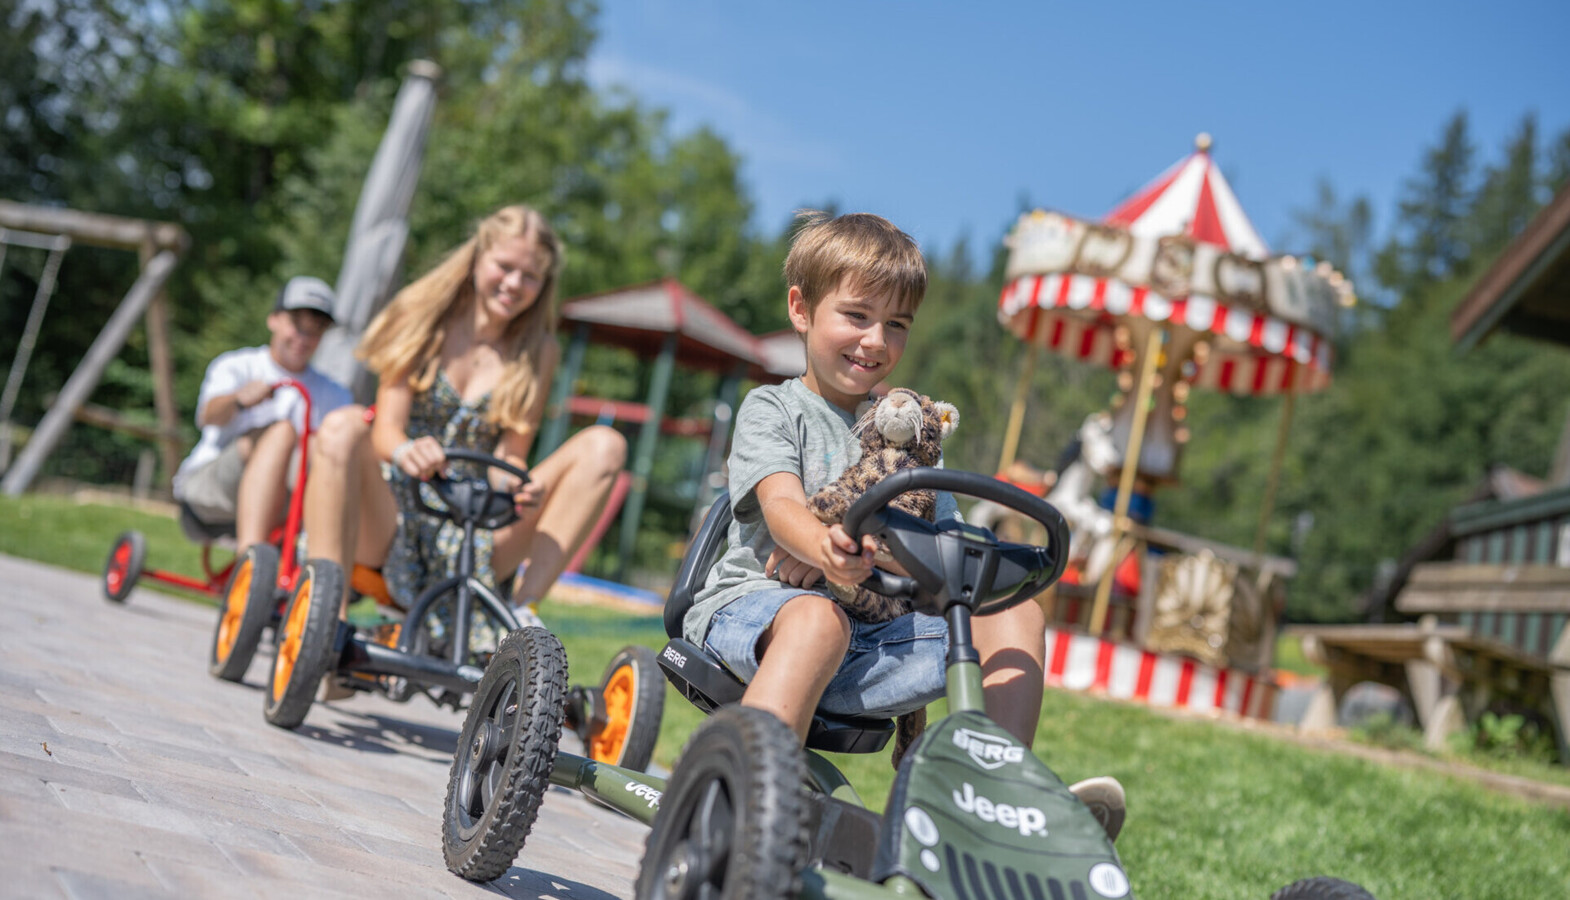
633, 693
733, 821
502, 766
1322, 888
244, 611
123, 568
305, 643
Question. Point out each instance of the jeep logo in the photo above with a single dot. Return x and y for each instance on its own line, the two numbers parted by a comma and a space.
1027, 820
988, 750
644, 792
678, 660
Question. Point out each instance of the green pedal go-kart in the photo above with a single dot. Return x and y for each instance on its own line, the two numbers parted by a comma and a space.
440, 645
748, 813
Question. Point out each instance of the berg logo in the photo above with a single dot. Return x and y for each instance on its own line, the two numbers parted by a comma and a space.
678, 660
988, 750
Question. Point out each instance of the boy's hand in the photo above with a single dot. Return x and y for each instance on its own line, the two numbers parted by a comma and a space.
790, 570
843, 560
252, 393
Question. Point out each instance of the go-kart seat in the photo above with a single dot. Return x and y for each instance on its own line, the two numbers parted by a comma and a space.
706, 682
202, 532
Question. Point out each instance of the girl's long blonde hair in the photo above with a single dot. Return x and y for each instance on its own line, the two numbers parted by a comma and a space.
405, 339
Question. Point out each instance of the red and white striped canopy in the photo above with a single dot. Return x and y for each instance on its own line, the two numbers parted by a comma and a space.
1234, 347
1191, 198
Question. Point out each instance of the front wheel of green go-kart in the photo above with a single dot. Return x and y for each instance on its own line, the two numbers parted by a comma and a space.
244, 610
305, 643
123, 568
1322, 888
628, 722
733, 821
502, 767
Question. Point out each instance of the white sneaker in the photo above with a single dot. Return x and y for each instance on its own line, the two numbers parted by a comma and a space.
528, 616
1104, 795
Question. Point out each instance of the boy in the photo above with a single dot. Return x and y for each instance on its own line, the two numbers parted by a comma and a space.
855, 283
244, 466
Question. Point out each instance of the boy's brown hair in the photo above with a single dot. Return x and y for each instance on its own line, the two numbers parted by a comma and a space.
876, 257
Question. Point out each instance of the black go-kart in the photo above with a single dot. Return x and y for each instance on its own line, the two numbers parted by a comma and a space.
748, 813
440, 646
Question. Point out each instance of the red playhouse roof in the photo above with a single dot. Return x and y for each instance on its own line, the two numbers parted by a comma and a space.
640, 317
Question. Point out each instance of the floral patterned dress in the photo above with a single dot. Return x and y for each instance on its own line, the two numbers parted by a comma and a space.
426, 549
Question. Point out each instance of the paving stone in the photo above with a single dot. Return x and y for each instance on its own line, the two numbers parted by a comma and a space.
166, 782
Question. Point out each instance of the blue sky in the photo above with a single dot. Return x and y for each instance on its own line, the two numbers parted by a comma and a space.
941, 116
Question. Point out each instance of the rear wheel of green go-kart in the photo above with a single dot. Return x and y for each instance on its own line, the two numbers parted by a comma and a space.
733, 821
123, 568
244, 610
634, 702
505, 753
305, 643
1322, 888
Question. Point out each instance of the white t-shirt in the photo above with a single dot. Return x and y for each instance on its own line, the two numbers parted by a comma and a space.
227, 373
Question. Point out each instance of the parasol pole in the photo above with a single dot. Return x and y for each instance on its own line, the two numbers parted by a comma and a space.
1276, 459
1136, 437
1017, 411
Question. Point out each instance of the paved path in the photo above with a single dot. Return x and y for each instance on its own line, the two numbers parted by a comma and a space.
127, 772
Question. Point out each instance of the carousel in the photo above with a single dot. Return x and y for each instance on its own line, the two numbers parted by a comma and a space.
1175, 290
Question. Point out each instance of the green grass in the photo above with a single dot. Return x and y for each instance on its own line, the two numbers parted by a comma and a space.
1213, 812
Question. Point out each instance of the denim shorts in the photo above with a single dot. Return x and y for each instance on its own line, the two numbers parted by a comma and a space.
891, 667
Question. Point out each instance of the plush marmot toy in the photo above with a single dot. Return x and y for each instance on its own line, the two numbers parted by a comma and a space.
903, 430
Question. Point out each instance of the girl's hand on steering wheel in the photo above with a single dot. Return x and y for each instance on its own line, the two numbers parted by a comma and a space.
420, 458
528, 496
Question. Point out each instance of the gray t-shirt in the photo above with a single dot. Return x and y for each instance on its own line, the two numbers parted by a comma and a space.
779, 428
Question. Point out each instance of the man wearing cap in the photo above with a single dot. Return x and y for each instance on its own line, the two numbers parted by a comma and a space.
243, 467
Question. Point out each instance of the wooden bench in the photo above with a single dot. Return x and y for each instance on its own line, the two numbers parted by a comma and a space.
1449, 668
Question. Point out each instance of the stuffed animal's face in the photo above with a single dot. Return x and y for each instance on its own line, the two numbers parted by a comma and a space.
907, 420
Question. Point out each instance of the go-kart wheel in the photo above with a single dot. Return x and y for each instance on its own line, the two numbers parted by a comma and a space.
1322, 888
505, 753
305, 643
733, 821
244, 611
634, 702
123, 568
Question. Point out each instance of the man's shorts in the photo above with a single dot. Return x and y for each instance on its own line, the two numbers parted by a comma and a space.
891, 667
213, 491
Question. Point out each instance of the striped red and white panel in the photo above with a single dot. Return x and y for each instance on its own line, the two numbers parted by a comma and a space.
1080, 662
1076, 315
1191, 198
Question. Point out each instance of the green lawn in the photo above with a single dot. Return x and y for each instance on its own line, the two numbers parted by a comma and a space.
1213, 812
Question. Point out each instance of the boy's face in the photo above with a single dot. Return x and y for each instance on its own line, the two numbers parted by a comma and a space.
296, 334
854, 340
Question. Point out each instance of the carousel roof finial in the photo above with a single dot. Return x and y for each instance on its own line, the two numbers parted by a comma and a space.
1202, 142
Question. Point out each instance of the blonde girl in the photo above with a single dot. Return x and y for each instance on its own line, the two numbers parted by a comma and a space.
465, 356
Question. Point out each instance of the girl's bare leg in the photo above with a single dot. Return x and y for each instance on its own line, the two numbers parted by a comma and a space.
798, 655
1013, 648
349, 509
578, 479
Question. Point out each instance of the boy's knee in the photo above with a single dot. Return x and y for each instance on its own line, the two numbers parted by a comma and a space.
816, 619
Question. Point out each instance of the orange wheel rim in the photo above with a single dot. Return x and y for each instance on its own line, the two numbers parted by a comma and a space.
293, 634
122, 561
621, 693
234, 611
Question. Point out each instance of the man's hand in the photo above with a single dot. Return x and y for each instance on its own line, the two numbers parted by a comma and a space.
790, 570
843, 560
252, 393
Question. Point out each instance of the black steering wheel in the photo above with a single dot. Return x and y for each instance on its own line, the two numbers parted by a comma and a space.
955, 563
469, 499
